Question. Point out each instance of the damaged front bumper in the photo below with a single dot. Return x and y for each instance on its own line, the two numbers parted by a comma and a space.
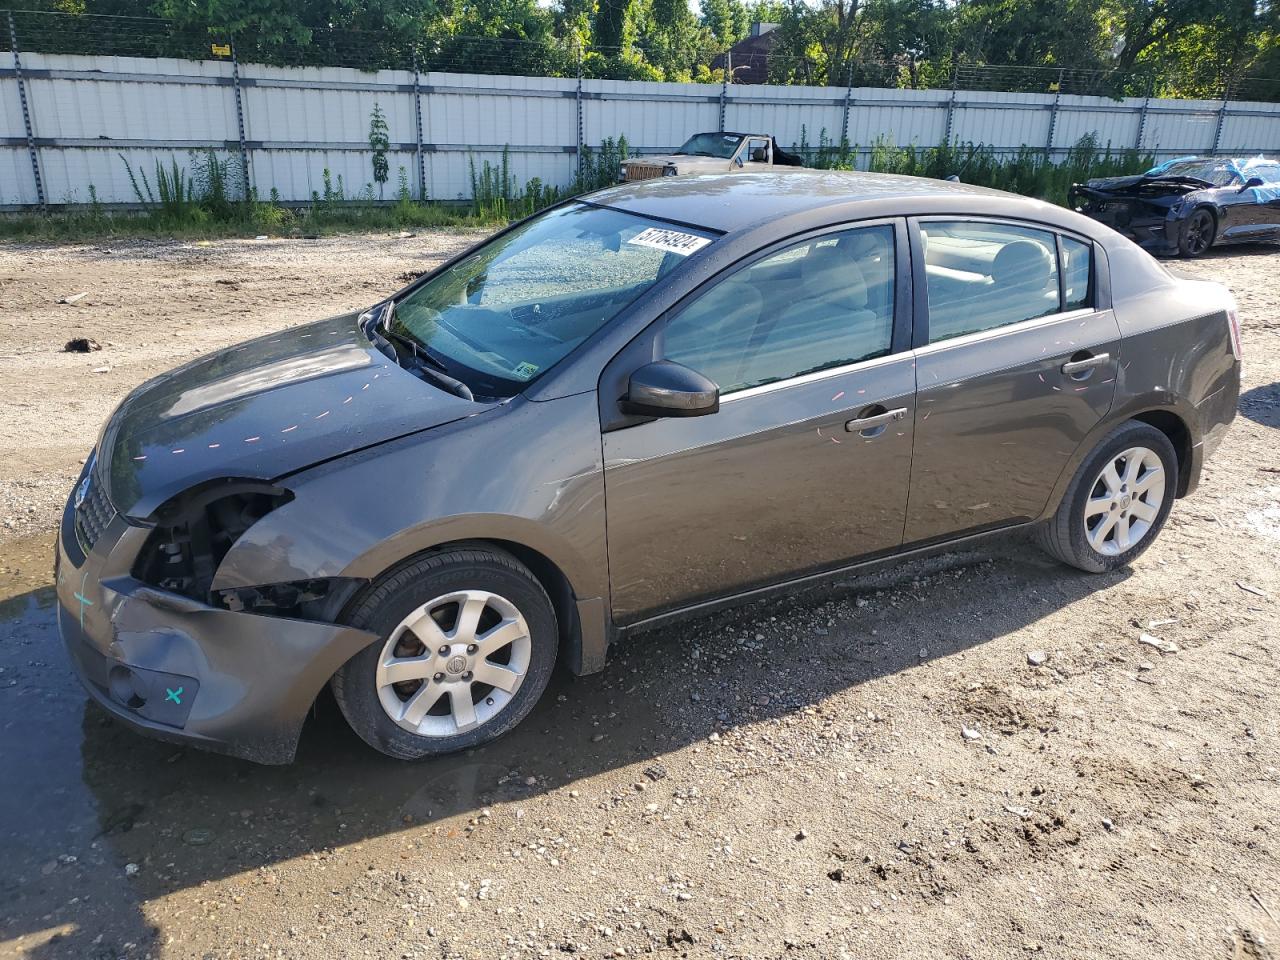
173, 668
1155, 230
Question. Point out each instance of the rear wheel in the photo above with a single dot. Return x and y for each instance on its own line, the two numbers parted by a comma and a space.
1197, 234
1117, 501
468, 643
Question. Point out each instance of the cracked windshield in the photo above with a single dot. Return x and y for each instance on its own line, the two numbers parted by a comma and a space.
511, 310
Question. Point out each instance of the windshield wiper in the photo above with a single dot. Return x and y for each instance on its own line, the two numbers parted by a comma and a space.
453, 385
423, 362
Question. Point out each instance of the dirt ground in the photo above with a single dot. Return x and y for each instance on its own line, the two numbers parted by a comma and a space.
874, 770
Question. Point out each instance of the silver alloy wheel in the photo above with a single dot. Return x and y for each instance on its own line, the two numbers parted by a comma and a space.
1124, 501
454, 663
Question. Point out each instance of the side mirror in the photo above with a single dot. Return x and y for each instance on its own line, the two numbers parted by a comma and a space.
738, 160
1251, 182
667, 389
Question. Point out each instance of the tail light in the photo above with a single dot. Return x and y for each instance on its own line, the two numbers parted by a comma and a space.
1233, 327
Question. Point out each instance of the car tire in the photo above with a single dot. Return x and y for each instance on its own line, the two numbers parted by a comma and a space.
1197, 233
440, 587
1105, 520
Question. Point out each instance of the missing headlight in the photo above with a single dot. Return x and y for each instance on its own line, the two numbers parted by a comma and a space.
194, 531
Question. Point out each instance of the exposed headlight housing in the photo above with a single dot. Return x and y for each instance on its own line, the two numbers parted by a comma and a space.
195, 530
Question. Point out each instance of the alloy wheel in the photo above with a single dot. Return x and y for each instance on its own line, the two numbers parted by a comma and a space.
1124, 501
1199, 233
454, 663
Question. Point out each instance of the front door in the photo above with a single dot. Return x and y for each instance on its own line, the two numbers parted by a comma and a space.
806, 463
1015, 365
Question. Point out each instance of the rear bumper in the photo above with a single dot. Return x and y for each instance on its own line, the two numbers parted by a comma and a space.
178, 670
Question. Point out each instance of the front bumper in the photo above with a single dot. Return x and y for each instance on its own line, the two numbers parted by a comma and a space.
179, 670
1155, 233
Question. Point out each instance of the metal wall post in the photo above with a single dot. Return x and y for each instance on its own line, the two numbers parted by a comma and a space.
1053, 119
577, 97
1142, 122
244, 153
848, 100
724, 86
417, 127
951, 104
1222, 116
32, 151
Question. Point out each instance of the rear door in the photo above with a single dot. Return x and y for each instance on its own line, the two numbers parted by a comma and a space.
1016, 353
806, 463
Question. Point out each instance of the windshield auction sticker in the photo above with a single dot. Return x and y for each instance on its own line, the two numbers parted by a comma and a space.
672, 241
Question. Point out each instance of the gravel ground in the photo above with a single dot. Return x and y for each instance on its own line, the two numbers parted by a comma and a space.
973, 756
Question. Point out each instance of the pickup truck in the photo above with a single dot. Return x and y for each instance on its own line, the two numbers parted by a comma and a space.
712, 153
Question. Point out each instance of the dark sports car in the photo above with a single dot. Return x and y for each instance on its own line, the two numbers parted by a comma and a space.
1185, 206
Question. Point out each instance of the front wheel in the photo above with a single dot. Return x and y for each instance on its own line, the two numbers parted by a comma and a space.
1197, 233
468, 643
1117, 501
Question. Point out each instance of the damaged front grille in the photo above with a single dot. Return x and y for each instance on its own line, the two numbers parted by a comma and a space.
93, 514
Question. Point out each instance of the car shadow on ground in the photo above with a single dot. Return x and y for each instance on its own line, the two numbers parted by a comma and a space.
103, 820
1262, 404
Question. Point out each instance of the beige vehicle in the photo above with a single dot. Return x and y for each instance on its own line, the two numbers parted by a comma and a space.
712, 153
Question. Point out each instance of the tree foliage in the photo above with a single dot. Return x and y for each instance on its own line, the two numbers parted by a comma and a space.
1189, 48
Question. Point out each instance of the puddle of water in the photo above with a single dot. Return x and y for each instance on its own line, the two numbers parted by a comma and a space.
87, 797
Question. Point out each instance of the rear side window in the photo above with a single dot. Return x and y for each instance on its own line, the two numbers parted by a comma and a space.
815, 305
986, 275
1077, 269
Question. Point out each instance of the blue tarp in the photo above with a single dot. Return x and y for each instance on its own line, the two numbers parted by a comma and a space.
1267, 170
1244, 168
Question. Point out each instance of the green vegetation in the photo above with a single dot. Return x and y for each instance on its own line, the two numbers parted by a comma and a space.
379, 144
1028, 171
200, 202
497, 197
207, 199
1185, 48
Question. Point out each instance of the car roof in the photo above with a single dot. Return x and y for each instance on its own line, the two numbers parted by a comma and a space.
729, 202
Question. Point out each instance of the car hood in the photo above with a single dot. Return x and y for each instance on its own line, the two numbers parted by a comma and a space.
1144, 186
687, 163
263, 409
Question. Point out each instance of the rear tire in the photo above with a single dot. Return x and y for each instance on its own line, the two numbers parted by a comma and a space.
1197, 233
467, 643
1117, 501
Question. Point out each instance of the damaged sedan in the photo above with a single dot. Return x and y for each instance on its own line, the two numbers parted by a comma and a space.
633, 407
1185, 206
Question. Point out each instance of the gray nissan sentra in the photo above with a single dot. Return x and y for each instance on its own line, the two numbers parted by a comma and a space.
659, 399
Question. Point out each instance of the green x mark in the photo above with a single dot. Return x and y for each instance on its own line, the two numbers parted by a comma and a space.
174, 695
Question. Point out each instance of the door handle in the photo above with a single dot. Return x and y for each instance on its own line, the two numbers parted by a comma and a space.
875, 420
1072, 367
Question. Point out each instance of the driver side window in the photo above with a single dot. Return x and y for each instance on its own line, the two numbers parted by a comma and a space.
822, 303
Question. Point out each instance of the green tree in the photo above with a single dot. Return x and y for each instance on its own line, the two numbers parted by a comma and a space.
379, 143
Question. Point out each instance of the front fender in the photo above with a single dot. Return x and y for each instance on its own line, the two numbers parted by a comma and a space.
529, 473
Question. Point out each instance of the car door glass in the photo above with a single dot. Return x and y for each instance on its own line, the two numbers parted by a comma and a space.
811, 306
986, 275
1077, 268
